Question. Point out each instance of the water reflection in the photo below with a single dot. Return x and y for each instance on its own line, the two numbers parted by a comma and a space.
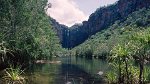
72, 70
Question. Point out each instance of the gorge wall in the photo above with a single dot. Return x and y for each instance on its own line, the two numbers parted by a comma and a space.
101, 19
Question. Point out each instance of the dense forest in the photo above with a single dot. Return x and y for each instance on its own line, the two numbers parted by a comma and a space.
25, 31
25, 35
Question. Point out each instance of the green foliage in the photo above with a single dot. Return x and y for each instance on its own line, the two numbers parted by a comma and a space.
137, 48
14, 76
146, 74
134, 74
121, 51
111, 77
120, 32
25, 28
124, 43
4, 51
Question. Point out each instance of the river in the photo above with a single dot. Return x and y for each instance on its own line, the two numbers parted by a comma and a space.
71, 70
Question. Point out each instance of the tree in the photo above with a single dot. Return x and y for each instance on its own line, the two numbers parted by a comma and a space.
142, 43
25, 27
121, 54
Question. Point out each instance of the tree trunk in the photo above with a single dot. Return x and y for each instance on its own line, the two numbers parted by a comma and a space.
120, 78
127, 73
141, 73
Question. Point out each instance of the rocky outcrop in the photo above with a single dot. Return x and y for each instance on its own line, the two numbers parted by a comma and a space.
101, 19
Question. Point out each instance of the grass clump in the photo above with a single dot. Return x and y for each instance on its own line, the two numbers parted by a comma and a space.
13, 75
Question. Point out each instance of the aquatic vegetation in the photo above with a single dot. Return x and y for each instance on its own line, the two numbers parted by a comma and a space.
14, 75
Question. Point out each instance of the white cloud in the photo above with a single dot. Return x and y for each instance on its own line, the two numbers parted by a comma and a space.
66, 12
107, 2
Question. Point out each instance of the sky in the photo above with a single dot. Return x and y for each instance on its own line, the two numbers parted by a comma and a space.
69, 12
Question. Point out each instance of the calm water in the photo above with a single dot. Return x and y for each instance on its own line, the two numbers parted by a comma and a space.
71, 70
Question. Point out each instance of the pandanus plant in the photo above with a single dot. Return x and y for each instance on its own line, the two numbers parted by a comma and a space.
142, 41
121, 54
